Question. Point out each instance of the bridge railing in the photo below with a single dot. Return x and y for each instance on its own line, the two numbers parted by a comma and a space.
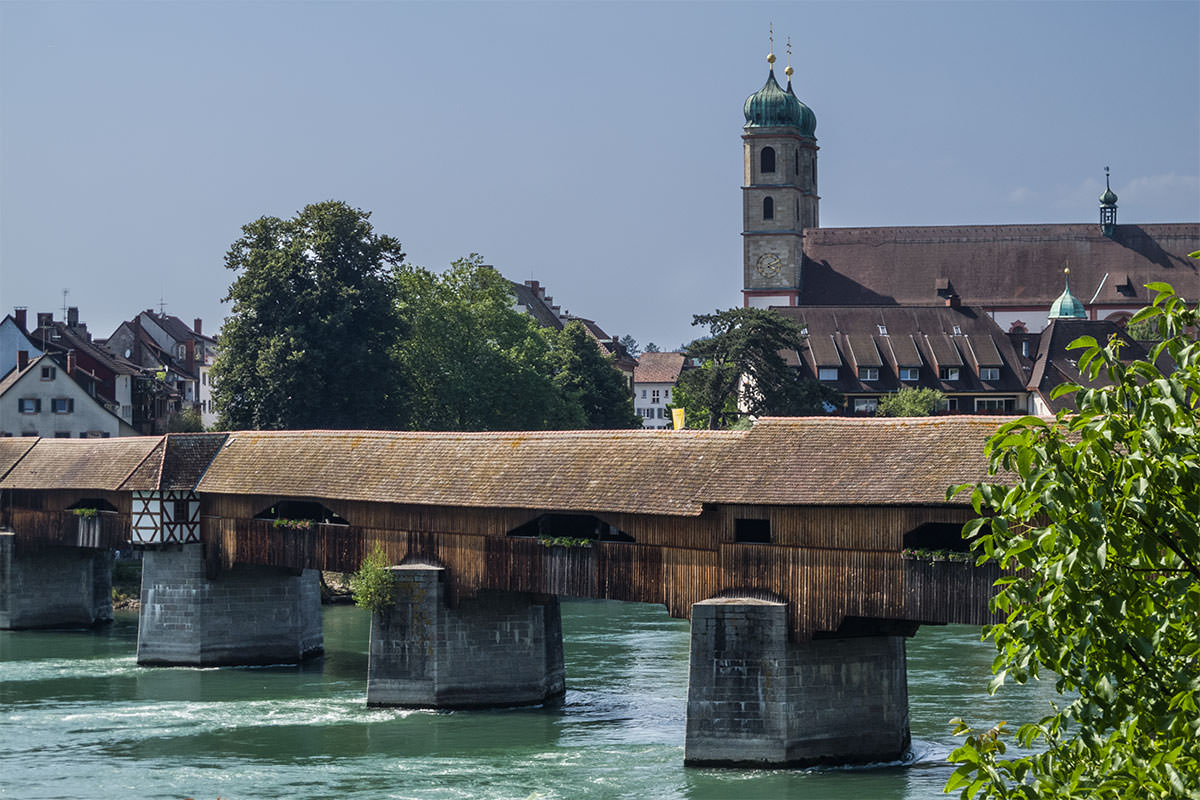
101, 529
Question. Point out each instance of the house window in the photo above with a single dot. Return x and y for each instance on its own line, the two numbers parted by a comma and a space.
827, 373
768, 208
989, 373
868, 373
180, 511
643, 394
1025, 349
663, 414
62, 434
654, 395
910, 373
766, 160
667, 395
948, 373
865, 405
957, 330
993, 404
62, 405
29, 405
48, 373
882, 330
204, 379
951, 404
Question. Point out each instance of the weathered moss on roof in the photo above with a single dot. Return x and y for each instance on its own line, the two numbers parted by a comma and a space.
840, 461
635, 471
178, 462
100, 464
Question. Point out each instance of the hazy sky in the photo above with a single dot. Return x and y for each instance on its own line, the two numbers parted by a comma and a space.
593, 146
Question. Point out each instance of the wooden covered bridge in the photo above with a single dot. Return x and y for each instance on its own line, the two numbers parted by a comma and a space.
785, 544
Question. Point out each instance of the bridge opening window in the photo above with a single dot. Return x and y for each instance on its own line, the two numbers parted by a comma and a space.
301, 511
572, 527
94, 504
937, 536
752, 531
767, 159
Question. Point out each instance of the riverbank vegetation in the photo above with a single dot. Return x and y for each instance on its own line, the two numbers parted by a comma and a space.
1102, 532
330, 328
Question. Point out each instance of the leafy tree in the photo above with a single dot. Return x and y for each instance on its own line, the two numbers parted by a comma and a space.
186, 421
742, 367
474, 362
588, 381
909, 401
1143, 331
312, 325
1100, 538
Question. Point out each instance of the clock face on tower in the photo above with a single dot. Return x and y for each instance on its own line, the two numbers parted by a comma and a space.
769, 264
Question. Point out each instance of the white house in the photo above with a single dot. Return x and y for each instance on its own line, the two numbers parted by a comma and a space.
39, 398
653, 382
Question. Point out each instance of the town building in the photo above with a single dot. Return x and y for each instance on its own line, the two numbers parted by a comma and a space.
1012, 273
39, 397
654, 381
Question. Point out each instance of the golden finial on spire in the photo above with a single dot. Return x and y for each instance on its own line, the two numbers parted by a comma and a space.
789, 69
771, 39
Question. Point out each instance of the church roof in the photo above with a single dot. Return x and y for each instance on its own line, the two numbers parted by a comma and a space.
774, 107
996, 265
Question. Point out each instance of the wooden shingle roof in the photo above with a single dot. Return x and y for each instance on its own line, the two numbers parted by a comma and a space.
635, 471
178, 462
840, 461
12, 450
96, 464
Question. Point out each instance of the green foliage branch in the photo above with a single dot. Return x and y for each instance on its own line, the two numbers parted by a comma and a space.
910, 401
372, 585
1099, 534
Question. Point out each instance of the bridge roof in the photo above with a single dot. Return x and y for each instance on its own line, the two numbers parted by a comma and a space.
178, 462
634, 471
847, 461
97, 464
12, 450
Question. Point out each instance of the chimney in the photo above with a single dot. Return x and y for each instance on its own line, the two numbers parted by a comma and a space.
19, 317
197, 327
45, 318
953, 301
189, 363
70, 362
22, 360
72, 316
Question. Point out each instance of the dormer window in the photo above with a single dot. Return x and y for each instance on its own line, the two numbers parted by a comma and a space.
882, 330
957, 330
868, 373
948, 373
989, 373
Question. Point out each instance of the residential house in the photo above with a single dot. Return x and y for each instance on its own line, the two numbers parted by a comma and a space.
39, 397
654, 381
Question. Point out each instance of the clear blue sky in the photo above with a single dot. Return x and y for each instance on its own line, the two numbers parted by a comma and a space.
593, 146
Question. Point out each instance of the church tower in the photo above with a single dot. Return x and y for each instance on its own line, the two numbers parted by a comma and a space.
779, 197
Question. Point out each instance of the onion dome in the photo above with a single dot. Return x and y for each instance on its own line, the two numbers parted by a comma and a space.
1109, 198
1067, 306
774, 107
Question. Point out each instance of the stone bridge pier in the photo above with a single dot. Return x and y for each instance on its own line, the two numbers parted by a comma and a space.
245, 616
53, 586
498, 649
755, 698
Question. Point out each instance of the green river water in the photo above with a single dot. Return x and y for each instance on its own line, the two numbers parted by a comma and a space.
79, 719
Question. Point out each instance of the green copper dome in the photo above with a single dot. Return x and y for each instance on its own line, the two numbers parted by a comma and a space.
1067, 306
1109, 198
774, 107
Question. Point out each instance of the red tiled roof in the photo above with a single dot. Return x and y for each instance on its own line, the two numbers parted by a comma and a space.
997, 265
658, 368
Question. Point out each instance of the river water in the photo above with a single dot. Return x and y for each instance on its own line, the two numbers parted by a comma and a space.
80, 719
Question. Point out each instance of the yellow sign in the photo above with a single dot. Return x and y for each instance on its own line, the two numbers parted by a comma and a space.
677, 415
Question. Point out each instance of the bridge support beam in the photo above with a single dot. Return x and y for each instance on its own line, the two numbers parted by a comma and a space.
247, 615
53, 587
499, 649
756, 698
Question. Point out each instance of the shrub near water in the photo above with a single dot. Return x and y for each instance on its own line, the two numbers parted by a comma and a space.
372, 586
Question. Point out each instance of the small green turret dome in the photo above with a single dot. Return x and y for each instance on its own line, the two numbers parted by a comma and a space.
1109, 198
773, 107
1067, 306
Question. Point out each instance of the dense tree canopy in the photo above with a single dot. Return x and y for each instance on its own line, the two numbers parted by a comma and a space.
741, 368
1101, 530
309, 339
909, 401
588, 381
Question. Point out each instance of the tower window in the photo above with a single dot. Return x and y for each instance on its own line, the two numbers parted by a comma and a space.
768, 208
814, 170
796, 160
766, 160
